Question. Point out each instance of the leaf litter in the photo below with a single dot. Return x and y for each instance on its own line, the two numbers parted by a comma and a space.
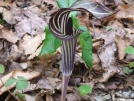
21, 42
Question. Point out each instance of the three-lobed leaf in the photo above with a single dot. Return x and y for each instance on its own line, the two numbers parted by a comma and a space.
51, 43
2, 69
127, 70
85, 89
21, 84
10, 81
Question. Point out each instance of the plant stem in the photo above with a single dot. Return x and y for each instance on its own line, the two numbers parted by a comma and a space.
24, 95
65, 80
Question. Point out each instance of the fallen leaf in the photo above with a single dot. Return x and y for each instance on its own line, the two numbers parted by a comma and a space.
30, 44
8, 35
122, 43
8, 16
49, 98
28, 22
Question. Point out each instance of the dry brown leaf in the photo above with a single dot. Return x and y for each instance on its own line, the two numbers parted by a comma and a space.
96, 62
108, 62
53, 81
14, 74
8, 16
97, 43
122, 43
126, 11
55, 7
30, 44
8, 35
49, 98
121, 46
36, 53
2, 3
44, 84
28, 22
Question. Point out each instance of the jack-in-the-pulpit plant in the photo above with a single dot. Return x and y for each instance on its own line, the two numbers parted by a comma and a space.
61, 26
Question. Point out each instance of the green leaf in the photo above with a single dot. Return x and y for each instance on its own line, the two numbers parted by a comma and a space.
51, 43
127, 70
21, 84
85, 89
21, 78
98, 10
20, 95
131, 64
129, 50
10, 81
108, 28
2, 69
85, 42
65, 3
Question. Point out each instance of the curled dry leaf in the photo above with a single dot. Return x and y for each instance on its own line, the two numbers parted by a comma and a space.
126, 11
96, 62
30, 44
8, 35
97, 43
14, 74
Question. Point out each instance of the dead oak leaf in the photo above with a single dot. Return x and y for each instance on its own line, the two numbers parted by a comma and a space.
29, 22
8, 35
30, 44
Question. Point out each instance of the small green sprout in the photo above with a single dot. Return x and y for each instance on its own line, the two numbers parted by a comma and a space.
85, 89
127, 70
2, 69
21, 82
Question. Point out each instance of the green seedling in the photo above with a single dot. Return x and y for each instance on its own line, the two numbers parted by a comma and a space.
2, 69
85, 89
129, 50
127, 70
21, 83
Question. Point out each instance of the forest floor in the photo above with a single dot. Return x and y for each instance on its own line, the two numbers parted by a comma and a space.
22, 25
